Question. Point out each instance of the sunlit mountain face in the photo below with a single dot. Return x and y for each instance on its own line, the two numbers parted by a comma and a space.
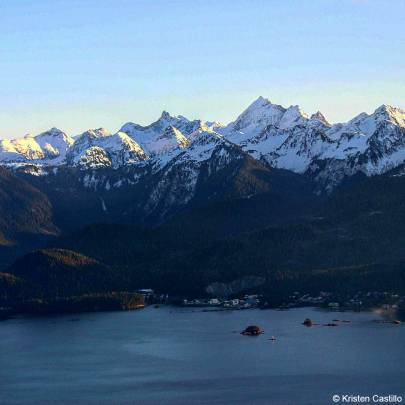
285, 138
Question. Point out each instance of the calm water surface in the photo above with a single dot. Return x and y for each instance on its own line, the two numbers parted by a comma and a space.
173, 356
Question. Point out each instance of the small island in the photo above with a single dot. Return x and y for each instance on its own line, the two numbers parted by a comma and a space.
252, 330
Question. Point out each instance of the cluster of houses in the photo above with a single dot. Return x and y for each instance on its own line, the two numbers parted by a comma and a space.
248, 301
151, 297
359, 300
376, 299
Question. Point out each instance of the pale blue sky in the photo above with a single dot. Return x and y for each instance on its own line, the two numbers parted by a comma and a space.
78, 64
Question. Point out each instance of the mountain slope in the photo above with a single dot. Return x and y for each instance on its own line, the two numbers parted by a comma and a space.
24, 209
26, 217
62, 273
340, 243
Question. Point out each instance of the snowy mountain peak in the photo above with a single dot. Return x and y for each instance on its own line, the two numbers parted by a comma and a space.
170, 139
260, 102
97, 148
293, 116
55, 134
130, 128
165, 134
318, 116
54, 143
201, 147
53, 131
389, 113
49, 146
166, 119
165, 116
260, 114
263, 117
365, 125
95, 133
262, 107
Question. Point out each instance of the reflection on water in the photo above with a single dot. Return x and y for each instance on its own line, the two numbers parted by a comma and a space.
171, 356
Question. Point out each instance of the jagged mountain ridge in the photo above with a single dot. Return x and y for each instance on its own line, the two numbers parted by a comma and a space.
284, 138
289, 139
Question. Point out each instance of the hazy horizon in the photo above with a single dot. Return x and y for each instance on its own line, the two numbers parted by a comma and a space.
76, 65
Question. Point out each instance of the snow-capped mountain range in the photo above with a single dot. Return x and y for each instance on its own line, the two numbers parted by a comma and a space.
285, 138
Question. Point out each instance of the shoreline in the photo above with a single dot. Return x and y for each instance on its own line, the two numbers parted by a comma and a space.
386, 316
